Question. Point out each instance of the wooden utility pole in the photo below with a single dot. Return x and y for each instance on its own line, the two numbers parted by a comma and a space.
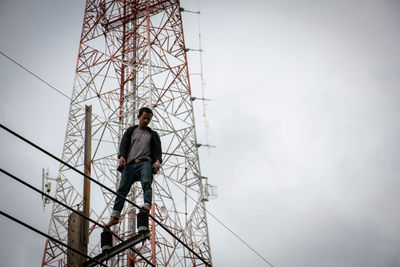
78, 227
86, 182
75, 222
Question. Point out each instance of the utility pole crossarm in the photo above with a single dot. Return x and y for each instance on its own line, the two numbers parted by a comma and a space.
141, 236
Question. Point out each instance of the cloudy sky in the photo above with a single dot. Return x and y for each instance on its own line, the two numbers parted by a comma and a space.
304, 114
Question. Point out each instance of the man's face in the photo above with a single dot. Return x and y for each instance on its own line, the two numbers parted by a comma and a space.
144, 119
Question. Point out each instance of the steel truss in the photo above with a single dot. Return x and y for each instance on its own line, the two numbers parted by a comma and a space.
132, 54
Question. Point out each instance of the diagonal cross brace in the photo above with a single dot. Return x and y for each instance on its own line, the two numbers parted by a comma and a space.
141, 236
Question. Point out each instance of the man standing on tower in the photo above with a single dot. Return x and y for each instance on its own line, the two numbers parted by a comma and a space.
139, 158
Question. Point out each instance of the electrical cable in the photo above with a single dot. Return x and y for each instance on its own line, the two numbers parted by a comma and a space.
52, 87
226, 227
105, 187
31, 73
71, 209
50, 237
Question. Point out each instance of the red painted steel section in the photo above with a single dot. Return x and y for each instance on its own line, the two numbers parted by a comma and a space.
166, 41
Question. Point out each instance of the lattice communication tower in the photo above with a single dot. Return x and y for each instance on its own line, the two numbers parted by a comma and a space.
132, 54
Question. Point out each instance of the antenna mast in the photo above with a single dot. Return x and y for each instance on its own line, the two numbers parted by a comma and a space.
132, 54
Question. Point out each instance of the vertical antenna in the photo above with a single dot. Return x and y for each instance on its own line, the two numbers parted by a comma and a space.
206, 125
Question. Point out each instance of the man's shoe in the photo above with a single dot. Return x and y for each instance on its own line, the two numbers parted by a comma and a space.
113, 221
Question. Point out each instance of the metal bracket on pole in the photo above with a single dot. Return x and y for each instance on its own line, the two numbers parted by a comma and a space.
141, 236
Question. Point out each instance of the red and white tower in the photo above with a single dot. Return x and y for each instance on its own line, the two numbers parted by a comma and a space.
132, 54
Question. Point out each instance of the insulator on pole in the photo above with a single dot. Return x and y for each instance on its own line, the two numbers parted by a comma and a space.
143, 221
106, 240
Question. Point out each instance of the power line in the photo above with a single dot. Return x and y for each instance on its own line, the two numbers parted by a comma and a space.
134, 204
226, 227
50, 237
107, 188
258, 254
71, 209
33, 74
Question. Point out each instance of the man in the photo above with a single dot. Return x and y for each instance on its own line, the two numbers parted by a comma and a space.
139, 157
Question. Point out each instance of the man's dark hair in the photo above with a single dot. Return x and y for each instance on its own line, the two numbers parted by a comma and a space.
145, 109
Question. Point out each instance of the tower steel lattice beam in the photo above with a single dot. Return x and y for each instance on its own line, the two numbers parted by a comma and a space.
132, 54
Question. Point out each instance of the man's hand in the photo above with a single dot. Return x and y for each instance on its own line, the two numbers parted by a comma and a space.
156, 166
122, 161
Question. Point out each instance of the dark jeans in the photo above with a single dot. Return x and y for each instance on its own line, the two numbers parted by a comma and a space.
133, 172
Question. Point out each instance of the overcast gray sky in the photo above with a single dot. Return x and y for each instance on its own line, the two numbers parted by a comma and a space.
304, 113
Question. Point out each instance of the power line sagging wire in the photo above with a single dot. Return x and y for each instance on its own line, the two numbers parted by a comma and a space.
108, 189
50, 237
34, 75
